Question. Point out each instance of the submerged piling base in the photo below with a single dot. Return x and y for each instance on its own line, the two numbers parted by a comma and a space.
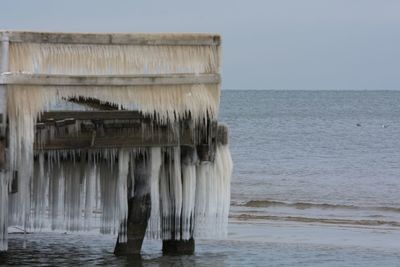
136, 228
178, 246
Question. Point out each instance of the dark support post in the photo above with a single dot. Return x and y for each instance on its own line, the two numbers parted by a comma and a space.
14, 183
188, 155
174, 247
139, 208
222, 134
205, 152
2, 154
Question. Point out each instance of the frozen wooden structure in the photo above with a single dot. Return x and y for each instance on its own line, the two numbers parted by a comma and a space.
116, 132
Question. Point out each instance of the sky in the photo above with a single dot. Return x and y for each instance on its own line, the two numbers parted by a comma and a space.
281, 44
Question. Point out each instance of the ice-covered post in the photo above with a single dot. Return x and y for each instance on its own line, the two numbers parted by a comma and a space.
185, 244
3, 164
139, 208
3, 97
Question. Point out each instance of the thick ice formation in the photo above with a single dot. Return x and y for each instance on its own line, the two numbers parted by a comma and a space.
87, 191
89, 59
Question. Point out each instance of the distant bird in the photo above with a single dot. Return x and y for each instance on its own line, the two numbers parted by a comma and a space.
384, 126
358, 124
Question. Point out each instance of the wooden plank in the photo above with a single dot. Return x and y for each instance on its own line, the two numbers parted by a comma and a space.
91, 115
223, 134
109, 80
113, 141
197, 39
93, 103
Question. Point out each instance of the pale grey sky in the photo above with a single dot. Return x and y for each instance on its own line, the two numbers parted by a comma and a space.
281, 44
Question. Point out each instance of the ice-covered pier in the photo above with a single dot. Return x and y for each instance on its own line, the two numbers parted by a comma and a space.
115, 132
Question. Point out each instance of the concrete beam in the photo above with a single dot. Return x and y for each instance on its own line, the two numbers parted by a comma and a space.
107, 80
193, 39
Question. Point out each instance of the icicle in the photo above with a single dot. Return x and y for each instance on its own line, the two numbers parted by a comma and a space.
165, 103
39, 193
122, 194
108, 179
4, 179
176, 191
73, 173
213, 195
223, 170
153, 229
188, 199
202, 198
90, 190
131, 177
165, 199
56, 193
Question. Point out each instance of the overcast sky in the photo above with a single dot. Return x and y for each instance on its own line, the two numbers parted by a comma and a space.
281, 44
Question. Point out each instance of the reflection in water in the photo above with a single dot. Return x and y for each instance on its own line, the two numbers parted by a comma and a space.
60, 249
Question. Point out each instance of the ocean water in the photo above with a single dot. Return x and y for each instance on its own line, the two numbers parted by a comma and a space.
329, 154
316, 182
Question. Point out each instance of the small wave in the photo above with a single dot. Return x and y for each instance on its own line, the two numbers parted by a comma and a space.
247, 217
309, 205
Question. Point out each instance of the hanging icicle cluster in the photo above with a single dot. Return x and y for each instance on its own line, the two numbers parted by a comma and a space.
194, 197
78, 191
81, 59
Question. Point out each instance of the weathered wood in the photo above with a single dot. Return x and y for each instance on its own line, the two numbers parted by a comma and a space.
91, 115
114, 141
93, 103
205, 152
121, 129
107, 80
198, 39
223, 134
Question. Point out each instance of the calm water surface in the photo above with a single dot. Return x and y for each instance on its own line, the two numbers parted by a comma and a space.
316, 182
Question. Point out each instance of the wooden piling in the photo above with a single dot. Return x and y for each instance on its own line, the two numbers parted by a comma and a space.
181, 246
139, 208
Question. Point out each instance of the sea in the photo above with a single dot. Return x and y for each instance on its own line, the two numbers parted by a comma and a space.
316, 182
